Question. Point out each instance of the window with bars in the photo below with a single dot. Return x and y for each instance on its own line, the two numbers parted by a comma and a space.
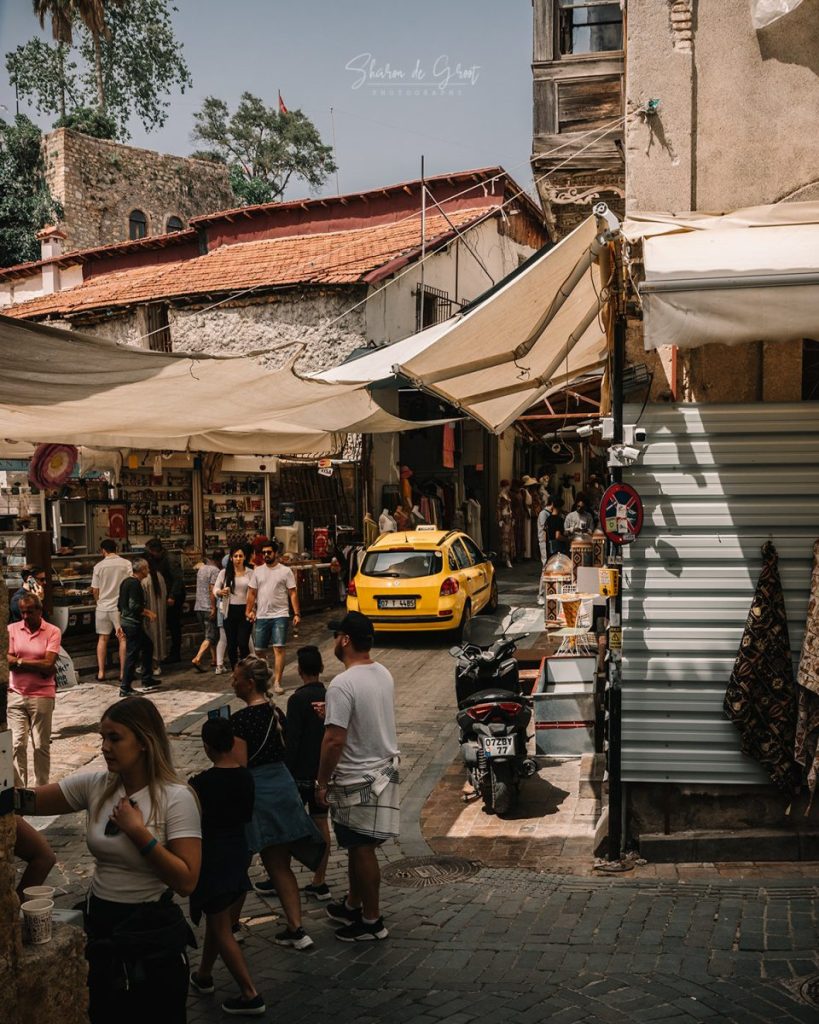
432, 306
157, 327
588, 26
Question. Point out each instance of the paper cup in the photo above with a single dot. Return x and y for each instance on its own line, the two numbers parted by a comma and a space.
37, 920
40, 892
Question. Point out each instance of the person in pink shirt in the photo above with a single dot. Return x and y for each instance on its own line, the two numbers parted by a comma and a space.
33, 648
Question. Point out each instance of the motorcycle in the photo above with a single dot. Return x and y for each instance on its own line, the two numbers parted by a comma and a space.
493, 713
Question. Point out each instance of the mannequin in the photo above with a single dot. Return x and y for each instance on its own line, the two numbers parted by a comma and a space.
567, 492
507, 532
533, 507
386, 523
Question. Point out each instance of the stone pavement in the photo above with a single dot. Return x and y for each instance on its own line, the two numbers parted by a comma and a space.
508, 944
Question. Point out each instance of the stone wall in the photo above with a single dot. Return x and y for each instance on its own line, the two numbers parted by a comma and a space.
99, 182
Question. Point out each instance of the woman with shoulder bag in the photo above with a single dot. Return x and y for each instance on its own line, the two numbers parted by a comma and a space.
230, 591
144, 832
280, 827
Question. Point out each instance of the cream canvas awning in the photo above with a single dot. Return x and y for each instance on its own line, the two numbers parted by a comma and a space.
63, 387
537, 329
750, 275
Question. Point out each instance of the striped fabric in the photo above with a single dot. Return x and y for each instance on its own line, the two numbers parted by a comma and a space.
370, 807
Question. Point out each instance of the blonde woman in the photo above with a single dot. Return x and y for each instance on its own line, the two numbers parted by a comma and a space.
144, 832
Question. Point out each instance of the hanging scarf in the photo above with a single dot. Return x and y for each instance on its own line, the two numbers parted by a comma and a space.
761, 695
806, 748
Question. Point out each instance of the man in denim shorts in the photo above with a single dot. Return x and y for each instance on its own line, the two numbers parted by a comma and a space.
269, 606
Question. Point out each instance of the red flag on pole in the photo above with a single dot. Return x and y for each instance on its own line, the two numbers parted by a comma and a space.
282, 107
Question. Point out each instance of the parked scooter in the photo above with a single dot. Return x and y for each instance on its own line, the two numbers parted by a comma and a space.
493, 714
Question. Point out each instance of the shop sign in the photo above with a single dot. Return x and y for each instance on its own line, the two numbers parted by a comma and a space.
325, 467
621, 514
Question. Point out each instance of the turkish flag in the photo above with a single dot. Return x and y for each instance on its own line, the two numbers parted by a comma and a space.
116, 522
282, 108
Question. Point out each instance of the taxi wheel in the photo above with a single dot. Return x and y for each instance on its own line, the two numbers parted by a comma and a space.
465, 618
491, 605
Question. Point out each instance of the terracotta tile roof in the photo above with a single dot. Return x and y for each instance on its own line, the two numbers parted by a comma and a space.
336, 258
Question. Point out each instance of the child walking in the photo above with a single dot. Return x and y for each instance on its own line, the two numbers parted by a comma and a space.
305, 731
226, 794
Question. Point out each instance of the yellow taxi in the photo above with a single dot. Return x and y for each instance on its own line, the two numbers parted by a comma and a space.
422, 579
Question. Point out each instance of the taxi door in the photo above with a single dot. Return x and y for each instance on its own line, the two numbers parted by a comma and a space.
481, 574
473, 576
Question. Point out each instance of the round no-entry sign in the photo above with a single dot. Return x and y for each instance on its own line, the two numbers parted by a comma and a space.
621, 514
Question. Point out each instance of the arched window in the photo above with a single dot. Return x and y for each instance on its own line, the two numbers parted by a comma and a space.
174, 224
137, 224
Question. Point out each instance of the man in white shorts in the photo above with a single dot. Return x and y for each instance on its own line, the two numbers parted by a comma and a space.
105, 583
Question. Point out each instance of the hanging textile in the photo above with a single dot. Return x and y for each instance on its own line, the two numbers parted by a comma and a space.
448, 457
761, 695
806, 749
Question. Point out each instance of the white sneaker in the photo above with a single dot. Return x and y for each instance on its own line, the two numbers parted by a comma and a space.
219, 670
541, 600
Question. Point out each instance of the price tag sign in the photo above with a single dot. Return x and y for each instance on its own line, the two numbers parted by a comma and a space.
621, 514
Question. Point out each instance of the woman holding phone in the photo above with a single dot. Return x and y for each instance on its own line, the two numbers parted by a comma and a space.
144, 832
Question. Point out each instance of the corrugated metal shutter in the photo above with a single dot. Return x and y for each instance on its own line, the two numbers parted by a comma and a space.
717, 481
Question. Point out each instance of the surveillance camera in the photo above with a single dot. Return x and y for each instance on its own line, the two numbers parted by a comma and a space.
640, 435
586, 429
629, 453
623, 455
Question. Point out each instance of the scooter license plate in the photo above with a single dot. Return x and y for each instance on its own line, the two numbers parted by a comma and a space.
498, 746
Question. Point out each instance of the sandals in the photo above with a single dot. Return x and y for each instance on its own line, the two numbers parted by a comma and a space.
198, 667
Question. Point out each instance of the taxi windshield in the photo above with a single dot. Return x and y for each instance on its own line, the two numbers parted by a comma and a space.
405, 563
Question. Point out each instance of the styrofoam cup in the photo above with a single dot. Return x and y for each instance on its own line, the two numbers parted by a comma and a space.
37, 918
40, 892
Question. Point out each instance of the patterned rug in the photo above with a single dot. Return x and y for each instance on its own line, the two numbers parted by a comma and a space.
807, 725
761, 695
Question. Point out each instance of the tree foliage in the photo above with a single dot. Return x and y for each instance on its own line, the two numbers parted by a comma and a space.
89, 121
127, 61
263, 148
26, 203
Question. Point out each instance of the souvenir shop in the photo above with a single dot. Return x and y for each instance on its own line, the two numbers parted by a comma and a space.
192, 504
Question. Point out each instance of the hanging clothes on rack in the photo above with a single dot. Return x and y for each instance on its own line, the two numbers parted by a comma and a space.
472, 510
448, 456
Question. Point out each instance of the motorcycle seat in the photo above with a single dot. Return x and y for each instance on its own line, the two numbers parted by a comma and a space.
489, 696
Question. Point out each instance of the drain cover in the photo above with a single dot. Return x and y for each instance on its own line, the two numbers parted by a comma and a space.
422, 872
809, 990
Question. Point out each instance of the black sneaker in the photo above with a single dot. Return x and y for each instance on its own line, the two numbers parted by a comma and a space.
315, 892
295, 937
362, 931
201, 985
239, 1006
341, 913
148, 686
127, 691
240, 932
265, 888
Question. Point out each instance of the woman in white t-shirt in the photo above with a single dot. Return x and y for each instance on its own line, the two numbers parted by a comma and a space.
230, 588
144, 832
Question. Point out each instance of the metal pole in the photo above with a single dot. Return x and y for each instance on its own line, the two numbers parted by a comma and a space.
615, 559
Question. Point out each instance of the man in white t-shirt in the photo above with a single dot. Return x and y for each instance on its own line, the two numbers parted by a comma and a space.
358, 774
105, 583
268, 605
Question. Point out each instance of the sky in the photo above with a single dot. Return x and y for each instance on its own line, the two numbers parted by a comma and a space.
449, 79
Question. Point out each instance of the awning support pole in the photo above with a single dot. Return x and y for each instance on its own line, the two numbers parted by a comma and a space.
610, 228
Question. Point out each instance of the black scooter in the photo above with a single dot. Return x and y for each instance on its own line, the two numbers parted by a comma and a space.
493, 714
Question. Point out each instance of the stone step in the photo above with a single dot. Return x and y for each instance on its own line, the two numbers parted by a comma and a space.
764, 844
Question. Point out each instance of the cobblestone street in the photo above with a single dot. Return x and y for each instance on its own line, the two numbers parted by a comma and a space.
531, 936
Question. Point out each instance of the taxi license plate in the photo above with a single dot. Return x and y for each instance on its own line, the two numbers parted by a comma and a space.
396, 602
498, 746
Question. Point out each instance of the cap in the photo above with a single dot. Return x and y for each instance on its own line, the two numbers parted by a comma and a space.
355, 625
529, 481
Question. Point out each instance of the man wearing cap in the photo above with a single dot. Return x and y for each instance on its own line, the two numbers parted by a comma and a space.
358, 774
